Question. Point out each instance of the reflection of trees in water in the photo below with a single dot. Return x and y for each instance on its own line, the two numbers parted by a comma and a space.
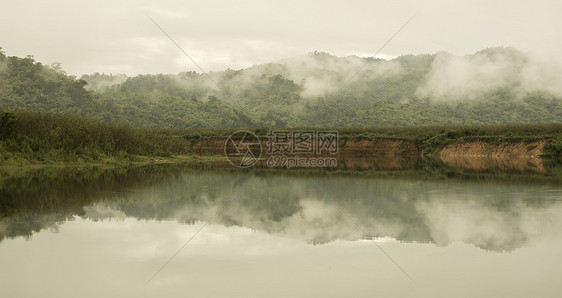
490, 216
45, 198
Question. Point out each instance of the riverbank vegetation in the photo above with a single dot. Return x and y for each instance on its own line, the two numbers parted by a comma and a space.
32, 137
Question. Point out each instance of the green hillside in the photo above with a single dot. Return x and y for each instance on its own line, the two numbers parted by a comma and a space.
495, 86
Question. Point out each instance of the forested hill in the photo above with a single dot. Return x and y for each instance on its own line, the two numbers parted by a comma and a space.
492, 86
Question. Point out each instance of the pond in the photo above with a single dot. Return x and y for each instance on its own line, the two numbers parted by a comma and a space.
166, 231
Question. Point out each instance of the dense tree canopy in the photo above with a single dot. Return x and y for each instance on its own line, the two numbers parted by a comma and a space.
315, 90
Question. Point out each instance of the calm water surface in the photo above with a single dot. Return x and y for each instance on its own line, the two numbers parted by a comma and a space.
106, 235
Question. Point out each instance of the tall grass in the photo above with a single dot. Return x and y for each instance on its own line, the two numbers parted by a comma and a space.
42, 134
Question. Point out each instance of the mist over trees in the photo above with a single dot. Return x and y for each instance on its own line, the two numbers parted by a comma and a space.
492, 86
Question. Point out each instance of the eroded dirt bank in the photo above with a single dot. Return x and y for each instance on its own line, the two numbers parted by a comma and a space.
528, 149
486, 163
532, 149
355, 147
395, 154
481, 156
384, 154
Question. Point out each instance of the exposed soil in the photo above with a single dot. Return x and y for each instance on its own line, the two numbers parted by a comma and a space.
484, 163
392, 154
367, 147
484, 149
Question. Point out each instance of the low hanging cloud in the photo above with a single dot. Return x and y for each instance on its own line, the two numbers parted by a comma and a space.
543, 74
321, 79
455, 78
441, 77
321, 74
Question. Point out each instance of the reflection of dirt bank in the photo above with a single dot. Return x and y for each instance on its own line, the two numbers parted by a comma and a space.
379, 162
379, 147
359, 162
481, 156
369, 147
383, 154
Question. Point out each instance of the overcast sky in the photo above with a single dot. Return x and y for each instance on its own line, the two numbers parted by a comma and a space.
117, 36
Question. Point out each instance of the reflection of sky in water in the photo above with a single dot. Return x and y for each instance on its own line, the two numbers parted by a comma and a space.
115, 258
447, 236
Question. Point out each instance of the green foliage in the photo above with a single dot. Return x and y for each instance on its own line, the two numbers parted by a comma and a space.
7, 123
438, 140
263, 96
44, 135
554, 148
